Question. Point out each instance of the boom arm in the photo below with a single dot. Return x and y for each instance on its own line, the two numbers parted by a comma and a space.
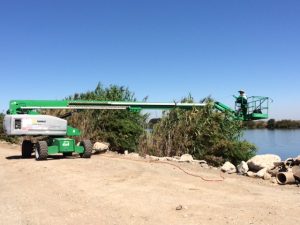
29, 106
256, 108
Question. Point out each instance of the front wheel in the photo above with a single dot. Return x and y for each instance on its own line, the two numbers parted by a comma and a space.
41, 150
88, 148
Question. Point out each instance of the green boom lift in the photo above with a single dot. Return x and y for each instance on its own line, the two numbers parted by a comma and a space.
23, 119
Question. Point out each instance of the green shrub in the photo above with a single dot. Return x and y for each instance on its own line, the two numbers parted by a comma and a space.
203, 133
3, 136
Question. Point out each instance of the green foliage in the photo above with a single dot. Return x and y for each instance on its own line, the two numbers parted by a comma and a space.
3, 136
233, 151
203, 133
120, 128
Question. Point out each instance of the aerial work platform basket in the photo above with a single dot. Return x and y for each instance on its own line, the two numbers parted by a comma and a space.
252, 108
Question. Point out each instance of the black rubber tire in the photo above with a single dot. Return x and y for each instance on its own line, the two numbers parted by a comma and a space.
41, 150
66, 154
27, 149
88, 148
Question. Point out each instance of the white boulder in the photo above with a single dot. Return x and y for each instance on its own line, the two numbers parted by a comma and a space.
242, 168
267, 176
186, 158
228, 167
101, 146
259, 162
262, 173
251, 174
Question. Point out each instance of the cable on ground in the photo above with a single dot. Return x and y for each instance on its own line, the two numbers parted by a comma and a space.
222, 178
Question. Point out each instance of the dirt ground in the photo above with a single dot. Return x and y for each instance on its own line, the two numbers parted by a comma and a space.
104, 190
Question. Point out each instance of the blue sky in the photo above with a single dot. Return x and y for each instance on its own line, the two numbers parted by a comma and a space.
158, 48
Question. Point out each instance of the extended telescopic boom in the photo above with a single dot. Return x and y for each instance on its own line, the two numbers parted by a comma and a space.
30, 106
255, 109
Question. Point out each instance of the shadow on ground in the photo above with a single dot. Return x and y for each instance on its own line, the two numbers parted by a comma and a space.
50, 157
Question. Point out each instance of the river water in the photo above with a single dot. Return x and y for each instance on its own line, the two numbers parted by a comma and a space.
285, 143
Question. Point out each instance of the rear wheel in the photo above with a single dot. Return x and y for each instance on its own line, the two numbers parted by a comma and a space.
27, 148
41, 150
88, 148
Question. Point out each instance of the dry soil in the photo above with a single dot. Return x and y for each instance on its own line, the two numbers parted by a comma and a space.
104, 190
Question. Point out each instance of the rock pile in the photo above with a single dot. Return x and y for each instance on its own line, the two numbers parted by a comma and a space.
287, 172
186, 158
268, 167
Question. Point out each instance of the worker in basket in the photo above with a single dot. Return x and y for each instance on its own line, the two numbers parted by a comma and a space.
243, 101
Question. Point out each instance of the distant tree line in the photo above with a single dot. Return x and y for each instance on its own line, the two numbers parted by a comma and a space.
272, 124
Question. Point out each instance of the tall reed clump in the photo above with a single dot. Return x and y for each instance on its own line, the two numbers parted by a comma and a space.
203, 133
